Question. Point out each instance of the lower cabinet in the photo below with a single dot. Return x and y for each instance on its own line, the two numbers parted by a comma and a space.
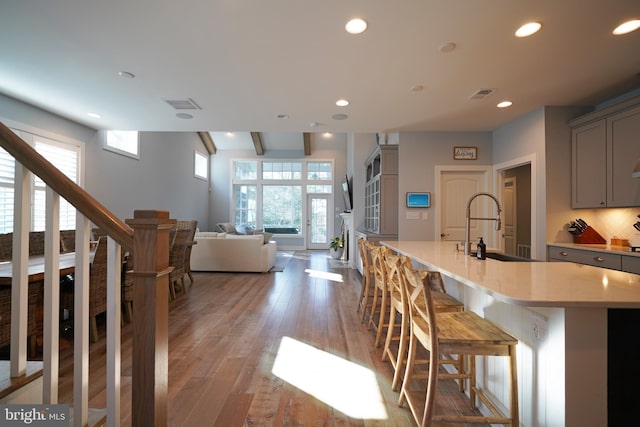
613, 261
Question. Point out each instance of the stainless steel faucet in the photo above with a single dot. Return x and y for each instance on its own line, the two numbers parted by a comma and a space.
467, 242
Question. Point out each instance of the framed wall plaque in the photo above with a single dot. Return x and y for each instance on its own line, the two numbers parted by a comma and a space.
465, 153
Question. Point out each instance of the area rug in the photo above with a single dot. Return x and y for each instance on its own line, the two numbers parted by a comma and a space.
282, 259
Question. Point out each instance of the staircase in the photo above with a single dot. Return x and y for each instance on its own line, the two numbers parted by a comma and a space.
147, 235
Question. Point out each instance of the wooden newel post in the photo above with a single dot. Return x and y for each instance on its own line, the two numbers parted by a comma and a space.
150, 319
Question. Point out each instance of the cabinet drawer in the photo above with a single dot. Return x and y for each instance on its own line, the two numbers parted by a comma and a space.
597, 259
631, 264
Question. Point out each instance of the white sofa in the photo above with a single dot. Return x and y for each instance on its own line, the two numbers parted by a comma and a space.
228, 252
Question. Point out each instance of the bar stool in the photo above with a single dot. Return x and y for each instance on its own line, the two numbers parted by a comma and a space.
453, 333
366, 297
399, 302
380, 304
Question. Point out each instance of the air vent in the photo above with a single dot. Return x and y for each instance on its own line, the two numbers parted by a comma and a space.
481, 93
182, 104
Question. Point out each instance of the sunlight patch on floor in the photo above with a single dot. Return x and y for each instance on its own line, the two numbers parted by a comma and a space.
334, 277
343, 385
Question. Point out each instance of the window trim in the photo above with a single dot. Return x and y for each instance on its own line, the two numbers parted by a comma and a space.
116, 150
205, 177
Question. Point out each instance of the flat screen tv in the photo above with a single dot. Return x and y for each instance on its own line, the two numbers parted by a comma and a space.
346, 192
418, 200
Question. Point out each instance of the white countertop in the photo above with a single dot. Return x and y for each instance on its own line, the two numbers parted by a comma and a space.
620, 250
533, 284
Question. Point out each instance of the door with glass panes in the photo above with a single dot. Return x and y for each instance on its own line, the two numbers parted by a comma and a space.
318, 221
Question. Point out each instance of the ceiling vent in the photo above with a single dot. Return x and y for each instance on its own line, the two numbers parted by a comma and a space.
183, 104
481, 93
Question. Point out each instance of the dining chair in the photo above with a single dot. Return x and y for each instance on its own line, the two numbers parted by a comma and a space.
462, 332
179, 239
192, 227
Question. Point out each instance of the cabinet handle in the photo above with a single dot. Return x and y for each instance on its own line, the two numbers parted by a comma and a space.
598, 258
563, 253
601, 203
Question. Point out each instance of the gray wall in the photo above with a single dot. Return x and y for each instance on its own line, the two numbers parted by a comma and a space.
161, 179
419, 153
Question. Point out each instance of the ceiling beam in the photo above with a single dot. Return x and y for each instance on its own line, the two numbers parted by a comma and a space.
257, 142
208, 142
306, 136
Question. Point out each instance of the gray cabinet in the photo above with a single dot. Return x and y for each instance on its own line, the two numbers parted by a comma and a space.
381, 191
587, 257
614, 261
605, 149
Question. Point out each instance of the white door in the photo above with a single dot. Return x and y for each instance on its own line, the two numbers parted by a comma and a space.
318, 227
456, 188
509, 191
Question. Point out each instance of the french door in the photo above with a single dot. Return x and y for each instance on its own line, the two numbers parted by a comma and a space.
319, 224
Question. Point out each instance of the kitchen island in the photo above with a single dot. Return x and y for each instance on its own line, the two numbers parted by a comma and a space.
559, 311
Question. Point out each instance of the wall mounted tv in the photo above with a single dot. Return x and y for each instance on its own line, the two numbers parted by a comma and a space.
418, 200
346, 192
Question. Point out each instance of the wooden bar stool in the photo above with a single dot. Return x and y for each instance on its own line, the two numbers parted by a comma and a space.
366, 297
399, 302
453, 333
380, 303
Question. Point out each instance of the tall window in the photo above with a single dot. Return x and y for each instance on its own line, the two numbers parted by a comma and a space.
200, 166
64, 156
270, 194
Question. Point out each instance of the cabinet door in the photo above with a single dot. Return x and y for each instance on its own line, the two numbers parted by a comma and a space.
631, 264
588, 163
623, 150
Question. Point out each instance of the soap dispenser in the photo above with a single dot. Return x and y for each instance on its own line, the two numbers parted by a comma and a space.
482, 250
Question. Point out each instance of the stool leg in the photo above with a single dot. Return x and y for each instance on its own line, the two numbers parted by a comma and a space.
402, 350
513, 370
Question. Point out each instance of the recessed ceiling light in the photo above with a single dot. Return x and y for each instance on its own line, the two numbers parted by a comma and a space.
94, 115
356, 26
627, 27
528, 29
229, 133
184, 116
447, 47
342, 102
126, 74
339, 116
313, 124
504, 104
283, 116
327, 134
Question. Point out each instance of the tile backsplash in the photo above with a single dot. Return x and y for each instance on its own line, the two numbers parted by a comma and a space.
613, 223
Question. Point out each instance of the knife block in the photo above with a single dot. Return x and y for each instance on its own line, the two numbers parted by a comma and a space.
589, 236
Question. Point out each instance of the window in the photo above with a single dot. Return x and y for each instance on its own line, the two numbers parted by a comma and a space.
200, 166
271, 194
125, 142
282, 170
282, 208
64, 156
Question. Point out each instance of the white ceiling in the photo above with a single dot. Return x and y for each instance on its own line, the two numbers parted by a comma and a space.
246, 61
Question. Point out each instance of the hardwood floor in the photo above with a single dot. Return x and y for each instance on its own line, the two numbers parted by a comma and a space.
276, 349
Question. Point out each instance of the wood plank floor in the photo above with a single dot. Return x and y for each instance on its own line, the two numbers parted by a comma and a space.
276, 349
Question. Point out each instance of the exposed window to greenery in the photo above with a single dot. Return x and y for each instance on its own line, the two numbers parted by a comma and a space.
271, 194
201, 165
126, 142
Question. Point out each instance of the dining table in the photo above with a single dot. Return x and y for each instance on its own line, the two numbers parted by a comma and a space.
36, 268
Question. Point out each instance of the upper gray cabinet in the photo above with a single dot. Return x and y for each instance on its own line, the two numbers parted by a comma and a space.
605, 148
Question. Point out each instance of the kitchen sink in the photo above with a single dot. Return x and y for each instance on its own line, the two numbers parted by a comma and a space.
499, 256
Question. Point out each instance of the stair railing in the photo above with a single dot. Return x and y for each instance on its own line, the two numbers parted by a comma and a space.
147, 235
